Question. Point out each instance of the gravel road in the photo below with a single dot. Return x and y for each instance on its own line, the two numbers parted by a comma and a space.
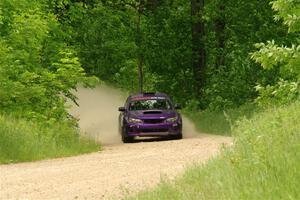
116, 171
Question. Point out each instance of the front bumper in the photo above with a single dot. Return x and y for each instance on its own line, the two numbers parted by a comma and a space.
148, 130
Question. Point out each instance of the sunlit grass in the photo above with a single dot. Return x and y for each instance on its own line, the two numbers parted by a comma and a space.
264, 163
21, 140
219, 122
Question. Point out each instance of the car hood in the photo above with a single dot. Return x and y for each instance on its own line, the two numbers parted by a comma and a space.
152, 114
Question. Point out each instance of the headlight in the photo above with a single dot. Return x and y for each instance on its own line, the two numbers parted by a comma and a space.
172, 119
133, 120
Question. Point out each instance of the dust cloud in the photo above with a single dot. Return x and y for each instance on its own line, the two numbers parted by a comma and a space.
189, 129
98, 114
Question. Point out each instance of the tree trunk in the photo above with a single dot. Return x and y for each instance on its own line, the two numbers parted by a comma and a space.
138, 43
198, 49
220, 33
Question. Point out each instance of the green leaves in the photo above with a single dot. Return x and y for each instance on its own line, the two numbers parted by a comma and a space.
287, 59
289, 12
38, 69
270, 55
283, 93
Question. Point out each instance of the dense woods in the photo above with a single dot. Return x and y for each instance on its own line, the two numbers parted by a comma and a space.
202, 53
197, 51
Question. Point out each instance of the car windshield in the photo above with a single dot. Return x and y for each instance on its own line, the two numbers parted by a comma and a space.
150, 104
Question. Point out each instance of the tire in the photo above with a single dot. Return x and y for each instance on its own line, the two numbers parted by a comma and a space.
126, 139
177, 137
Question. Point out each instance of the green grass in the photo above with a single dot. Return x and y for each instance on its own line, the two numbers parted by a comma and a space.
219, 122
264, 163
21, 141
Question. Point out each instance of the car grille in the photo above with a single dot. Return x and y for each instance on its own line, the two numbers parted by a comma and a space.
153, 121
154, 130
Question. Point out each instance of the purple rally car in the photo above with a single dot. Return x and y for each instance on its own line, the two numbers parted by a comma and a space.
149, 115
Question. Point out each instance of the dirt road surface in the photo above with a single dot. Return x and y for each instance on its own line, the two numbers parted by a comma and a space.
118, 170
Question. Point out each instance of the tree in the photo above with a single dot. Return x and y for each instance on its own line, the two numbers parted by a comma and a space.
198, 48
286, 59
219, 24
140, 11
38, 69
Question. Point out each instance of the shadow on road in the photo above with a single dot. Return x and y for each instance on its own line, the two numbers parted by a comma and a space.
152, 139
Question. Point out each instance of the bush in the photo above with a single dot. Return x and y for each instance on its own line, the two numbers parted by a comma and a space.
283, 93
22, 140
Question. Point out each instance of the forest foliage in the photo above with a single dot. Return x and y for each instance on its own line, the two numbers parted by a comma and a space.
38, 68
205, 54
205, 59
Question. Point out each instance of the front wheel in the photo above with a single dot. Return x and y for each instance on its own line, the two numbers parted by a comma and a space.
177, 137
126, 139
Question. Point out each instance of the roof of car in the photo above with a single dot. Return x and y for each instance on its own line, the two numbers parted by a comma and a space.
148, 94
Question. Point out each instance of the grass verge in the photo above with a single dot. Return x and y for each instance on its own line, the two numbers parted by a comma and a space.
21, 140
219, 122
264, 163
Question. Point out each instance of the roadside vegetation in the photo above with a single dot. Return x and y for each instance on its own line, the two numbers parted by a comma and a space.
220, 122
264, 163
38, 71
23, 140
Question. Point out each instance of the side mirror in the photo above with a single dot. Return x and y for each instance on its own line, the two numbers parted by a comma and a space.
122, 109
177, 106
